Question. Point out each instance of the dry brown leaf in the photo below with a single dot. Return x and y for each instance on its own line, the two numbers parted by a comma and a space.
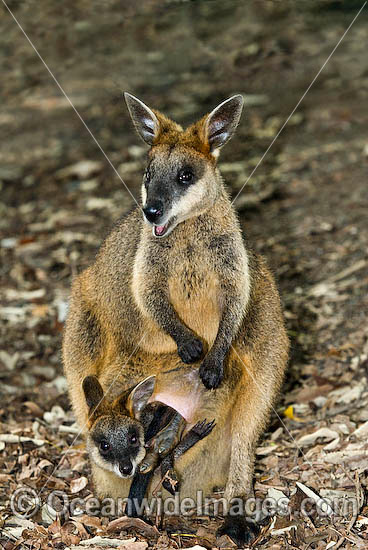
136, 545
77, 485
90, 521
34, 409
222, 542
125, 523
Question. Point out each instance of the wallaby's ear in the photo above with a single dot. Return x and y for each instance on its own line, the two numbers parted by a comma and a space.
145, 121
138, 398
93, 391
120, 404
221, 123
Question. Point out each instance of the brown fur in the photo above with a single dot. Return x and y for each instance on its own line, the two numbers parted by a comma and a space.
194, 137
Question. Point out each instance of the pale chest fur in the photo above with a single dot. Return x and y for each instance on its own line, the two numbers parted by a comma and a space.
192, 287
194, 293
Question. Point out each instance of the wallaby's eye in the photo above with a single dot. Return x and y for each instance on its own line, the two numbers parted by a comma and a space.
133, 439
104, 446
185, 177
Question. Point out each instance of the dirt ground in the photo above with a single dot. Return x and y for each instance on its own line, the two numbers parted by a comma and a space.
304, 208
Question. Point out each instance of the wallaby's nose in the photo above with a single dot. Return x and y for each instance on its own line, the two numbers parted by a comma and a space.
126, 468
153, 211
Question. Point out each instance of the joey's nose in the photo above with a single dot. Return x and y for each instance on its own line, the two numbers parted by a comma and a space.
153, 212
126, 468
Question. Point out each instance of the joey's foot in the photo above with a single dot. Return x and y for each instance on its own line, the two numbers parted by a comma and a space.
191, 350
211, 372
239, 529
166, 440
171, 482
203, 429
149, 462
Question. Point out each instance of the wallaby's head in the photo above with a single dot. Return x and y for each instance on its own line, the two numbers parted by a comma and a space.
181, 180
115, 439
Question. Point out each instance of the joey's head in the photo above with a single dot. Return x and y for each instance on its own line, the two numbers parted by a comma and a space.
115, 439
181, 180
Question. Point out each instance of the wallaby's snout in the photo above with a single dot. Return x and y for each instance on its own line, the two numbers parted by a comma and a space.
126, 468
154, 211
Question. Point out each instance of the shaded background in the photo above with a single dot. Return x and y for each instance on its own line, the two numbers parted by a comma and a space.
305, 207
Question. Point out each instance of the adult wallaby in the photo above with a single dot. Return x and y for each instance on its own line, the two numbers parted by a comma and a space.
168, 282
175, 276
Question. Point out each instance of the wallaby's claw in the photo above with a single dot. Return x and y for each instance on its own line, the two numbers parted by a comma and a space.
171, 482
149, 463
203, 429
166, 441
211, 374
190, 351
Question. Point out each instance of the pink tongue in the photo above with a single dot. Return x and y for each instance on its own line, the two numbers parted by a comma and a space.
160, 229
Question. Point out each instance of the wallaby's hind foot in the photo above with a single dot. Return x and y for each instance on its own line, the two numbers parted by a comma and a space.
239, 529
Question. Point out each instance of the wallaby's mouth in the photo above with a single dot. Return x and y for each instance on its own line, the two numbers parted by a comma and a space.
160, 230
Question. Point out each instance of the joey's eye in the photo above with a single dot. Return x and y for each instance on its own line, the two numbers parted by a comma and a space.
104, 446
185, 177
133, 439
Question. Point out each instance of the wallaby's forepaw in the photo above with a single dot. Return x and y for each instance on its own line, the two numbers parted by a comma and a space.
211, 373
241, 531
203, 429
170, 482
190, 351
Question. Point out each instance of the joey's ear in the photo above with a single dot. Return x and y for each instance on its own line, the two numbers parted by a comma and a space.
138, 398
93, 391
221, 123
120, 403
145, 121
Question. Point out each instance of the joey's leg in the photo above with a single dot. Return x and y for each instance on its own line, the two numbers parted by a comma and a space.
162, 443
154, 418
137, 493
198, 432
190, 347
141, 481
